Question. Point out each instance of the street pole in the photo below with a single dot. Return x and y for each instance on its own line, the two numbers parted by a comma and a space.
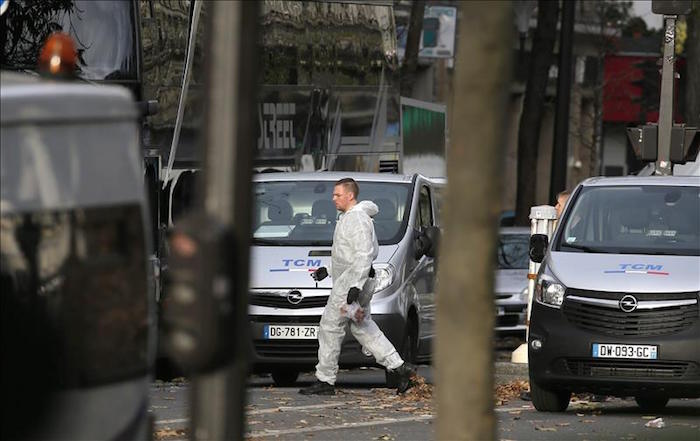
663, 162
465, 311
219, 392
560, 152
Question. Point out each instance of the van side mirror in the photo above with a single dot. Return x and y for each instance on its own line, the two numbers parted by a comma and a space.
433, 234
538, 247
426, 242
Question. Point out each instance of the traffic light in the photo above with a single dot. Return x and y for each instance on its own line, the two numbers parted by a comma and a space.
671, 7
197, 303
644, 140
685, 142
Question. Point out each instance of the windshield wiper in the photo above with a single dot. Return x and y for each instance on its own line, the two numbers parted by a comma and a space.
584, 248
260, 241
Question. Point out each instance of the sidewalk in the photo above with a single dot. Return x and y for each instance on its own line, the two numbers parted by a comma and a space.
505, 372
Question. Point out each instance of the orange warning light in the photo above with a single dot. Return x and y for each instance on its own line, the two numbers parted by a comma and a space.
58, 56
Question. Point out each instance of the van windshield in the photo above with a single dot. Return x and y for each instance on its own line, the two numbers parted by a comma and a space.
633, 220
303, 213
513, 251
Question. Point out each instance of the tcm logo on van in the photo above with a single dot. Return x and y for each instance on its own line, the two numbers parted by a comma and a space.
298, 265
638, 268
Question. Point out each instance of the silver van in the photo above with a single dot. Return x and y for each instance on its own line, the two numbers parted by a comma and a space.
78, 315
293, 222
510, 281
616, 303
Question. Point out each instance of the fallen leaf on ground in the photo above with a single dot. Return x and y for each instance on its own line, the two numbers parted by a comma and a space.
168, 433
509, 391
420, 391
545, 429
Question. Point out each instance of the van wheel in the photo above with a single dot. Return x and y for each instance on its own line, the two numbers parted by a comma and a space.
286, 377
651, 402
409, 351
546, 400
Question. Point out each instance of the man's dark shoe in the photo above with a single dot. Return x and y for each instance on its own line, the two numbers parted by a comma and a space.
405, 372
318, 388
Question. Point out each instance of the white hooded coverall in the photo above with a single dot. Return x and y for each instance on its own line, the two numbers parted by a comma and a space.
354, 249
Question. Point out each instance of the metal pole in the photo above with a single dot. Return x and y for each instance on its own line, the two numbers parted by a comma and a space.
218, 395
560, 151
663, 163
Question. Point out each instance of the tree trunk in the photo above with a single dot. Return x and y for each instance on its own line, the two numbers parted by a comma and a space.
692, 82
410, 62
464, 360
533, 107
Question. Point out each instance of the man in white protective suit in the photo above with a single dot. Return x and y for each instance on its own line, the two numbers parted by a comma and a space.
354, 249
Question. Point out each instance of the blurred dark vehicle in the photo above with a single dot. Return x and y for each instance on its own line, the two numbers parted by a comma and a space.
78, 323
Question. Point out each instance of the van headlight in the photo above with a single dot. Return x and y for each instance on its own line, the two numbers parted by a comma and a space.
524, 295
383, 276
549, 291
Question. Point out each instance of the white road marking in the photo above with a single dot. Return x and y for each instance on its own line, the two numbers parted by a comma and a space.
298, 408
513, 409
272, 432
268, 410
175, 421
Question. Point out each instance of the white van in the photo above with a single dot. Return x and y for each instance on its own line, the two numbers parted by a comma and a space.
293, 225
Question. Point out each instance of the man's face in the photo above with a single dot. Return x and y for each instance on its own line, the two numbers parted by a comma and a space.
561, 202
342, 198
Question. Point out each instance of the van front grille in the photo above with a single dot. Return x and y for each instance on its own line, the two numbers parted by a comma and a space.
287, 348
631, 368
275, 301
641, 322
286, 319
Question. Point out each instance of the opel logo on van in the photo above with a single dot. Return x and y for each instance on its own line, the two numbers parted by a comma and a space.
628, 303
295, 297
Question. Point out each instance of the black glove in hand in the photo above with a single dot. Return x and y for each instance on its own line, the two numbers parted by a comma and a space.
320, 274
353, 295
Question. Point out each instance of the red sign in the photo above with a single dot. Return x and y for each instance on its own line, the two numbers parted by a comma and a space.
631, 88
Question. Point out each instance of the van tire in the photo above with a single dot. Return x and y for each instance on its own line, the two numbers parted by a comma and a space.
408, 351
546, 400
285, 377
651, 402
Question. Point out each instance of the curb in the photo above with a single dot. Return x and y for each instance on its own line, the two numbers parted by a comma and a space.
504, 368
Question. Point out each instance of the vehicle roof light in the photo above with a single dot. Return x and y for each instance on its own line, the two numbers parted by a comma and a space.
58, 56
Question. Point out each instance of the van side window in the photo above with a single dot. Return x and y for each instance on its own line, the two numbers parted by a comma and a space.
425, 208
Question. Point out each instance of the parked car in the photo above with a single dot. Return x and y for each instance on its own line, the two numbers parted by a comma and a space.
293, 223
510, 287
